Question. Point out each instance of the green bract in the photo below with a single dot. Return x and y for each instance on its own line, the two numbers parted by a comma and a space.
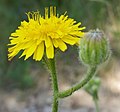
94, 48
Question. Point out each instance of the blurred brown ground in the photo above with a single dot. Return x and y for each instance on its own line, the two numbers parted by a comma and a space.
39, 99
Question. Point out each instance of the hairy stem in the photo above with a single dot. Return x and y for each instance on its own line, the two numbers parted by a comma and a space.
96, 104
54, 84
90, 73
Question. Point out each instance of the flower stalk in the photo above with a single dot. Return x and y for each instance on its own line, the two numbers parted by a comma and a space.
91, 72
59, 95
92, 89
52, 68
96, 104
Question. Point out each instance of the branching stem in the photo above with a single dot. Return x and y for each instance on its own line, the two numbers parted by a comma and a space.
56, 94
91, 72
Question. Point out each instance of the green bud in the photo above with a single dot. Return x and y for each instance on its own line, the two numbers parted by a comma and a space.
93, 85
94, 48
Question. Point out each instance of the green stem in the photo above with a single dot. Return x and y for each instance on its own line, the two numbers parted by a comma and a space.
54, 84
90, 73
96, 104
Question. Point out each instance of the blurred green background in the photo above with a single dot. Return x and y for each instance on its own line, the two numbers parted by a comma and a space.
103, 14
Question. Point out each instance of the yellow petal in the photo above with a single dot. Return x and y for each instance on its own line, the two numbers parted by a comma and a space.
48, 41
50, 51
30, 51
82, 28
12, 54
55, 43
28, 44
11, 49
14, 41
39, 52
70, 40
61, 45
77, 33
24, 53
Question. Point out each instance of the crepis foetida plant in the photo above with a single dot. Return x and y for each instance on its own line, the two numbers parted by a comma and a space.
41, 35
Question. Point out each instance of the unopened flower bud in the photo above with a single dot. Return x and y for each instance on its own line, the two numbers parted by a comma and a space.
93, 85
94, 48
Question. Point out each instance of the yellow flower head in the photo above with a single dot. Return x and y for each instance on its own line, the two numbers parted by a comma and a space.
43, 34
